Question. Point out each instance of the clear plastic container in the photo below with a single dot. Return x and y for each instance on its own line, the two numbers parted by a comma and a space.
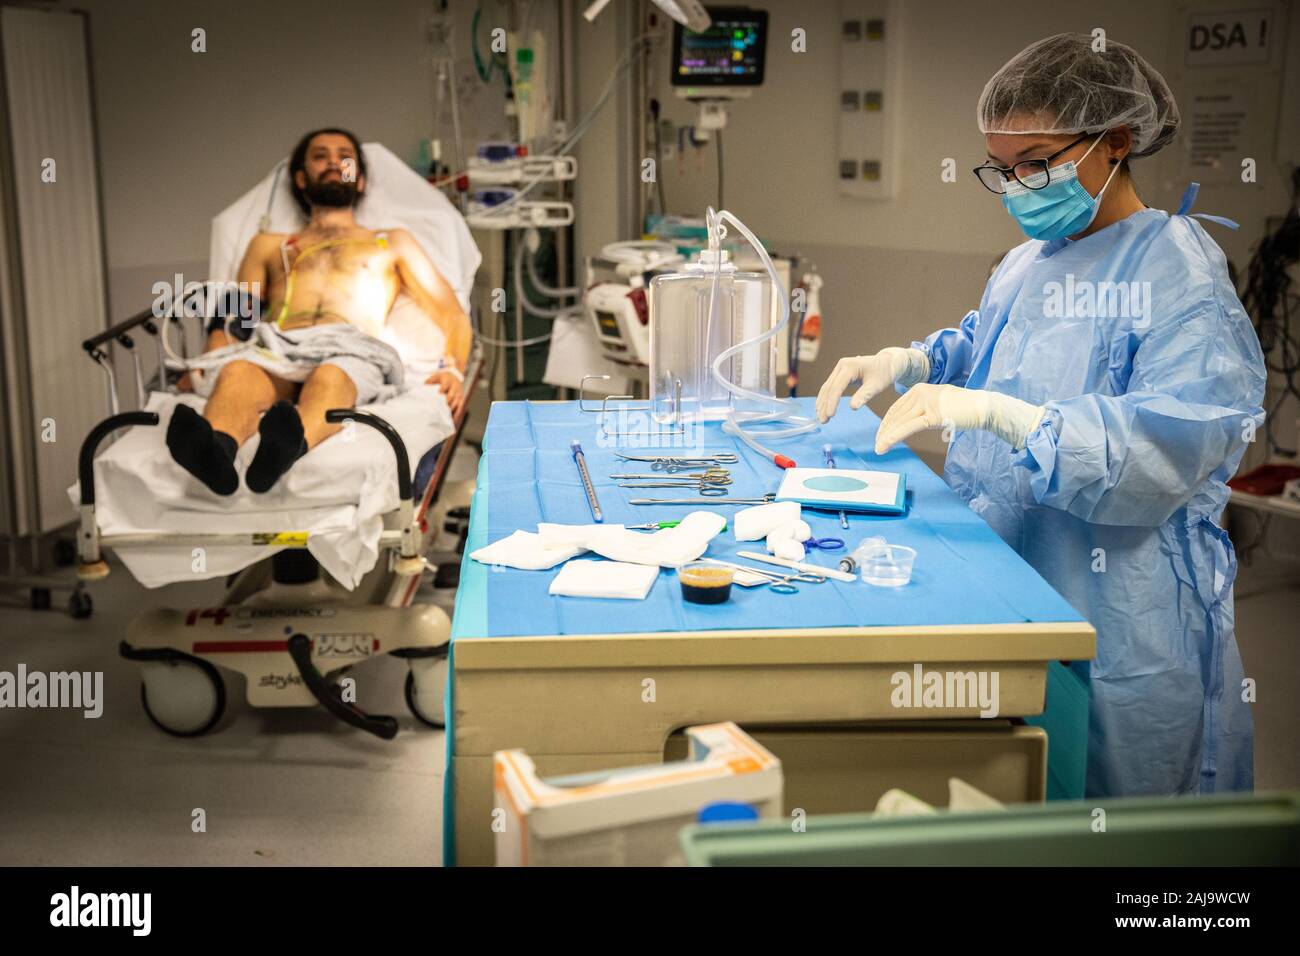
706, 583
686, 335
888, 565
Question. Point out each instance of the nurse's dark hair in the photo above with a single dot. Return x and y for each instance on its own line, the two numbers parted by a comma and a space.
298, 160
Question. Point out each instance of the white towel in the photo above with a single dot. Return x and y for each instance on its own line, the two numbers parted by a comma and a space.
668, 548
751, 524
526, 551
604, 579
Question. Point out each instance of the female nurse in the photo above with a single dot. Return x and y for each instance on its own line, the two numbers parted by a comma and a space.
1099, 399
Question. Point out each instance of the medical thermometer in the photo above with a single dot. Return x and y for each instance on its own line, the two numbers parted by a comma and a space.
585, 475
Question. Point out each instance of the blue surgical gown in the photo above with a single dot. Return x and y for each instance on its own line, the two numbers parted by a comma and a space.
1116, 498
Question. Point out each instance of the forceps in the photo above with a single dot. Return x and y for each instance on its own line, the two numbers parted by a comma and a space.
708, 491
712, 482
712, 500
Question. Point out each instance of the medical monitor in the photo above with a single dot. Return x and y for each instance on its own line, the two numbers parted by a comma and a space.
726, 59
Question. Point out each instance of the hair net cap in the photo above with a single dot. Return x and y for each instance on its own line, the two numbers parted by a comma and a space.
1062, 85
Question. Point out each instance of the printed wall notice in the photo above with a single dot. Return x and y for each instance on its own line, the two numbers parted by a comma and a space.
1217, 129
1233, 38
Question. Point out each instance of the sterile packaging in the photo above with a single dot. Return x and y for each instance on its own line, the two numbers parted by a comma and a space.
629, 816
844, 489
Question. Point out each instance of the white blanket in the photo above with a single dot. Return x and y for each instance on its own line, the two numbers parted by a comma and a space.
338, 492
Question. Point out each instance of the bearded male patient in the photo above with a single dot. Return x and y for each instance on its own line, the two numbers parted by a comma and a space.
328, 291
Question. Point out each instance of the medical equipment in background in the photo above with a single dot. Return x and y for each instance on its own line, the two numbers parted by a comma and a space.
53, 290
723, 62
695, 315
1269, 299
690, 13
713, 345
615, 301
808, 335
507, 208
495, 202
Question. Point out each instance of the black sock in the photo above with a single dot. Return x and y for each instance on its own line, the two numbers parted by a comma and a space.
282, 444
206, 454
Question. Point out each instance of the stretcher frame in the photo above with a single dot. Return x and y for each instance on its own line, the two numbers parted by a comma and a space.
285, 661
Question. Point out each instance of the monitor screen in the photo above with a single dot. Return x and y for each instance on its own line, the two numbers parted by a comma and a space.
729, 53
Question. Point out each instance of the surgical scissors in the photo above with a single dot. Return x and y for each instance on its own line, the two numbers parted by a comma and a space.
675, 463
711, 483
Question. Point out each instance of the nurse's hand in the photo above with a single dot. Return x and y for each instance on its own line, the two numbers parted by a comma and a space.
926, 407
876, 373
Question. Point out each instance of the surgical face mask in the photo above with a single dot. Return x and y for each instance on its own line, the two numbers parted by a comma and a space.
1059, 209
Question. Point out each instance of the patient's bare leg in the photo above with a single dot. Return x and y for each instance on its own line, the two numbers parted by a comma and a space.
288, 432
242, 393
205, 446
328, 387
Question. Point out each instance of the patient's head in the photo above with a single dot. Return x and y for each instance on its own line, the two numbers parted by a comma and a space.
327, 168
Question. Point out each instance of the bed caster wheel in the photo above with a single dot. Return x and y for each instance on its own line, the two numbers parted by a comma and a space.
80, 606
40, 599
414, 699
65, 552
184, 698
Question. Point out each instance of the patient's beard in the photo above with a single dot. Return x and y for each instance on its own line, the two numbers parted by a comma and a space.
332, 195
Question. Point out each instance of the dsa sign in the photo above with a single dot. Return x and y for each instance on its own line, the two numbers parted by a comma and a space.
1229, 39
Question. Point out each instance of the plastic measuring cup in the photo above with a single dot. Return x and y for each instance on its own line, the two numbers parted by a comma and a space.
706, 583
888, 565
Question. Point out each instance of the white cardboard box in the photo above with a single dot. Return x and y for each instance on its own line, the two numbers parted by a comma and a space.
629, 816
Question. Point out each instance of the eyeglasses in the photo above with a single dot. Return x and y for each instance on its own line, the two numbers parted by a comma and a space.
1030, 173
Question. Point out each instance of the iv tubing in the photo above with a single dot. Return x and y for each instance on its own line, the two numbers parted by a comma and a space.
783, 410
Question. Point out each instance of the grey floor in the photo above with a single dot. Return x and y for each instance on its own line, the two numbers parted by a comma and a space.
299, 788
288, 787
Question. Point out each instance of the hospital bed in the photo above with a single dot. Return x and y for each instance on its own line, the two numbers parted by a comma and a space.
321, 572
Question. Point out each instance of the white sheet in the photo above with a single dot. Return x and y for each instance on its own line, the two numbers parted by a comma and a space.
396, 198
339, 492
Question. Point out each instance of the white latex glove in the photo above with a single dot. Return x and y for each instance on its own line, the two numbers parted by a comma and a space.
940, 406
875, 372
